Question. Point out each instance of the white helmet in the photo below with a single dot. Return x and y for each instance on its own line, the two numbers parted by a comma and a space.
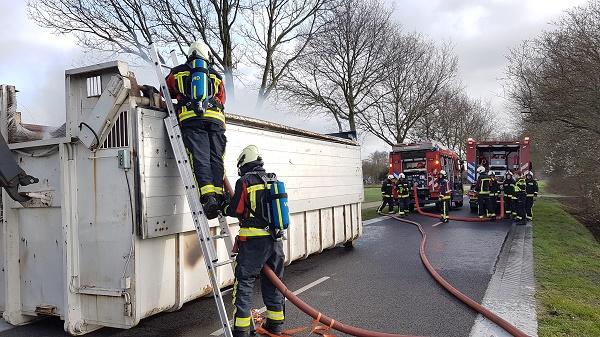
442, 172
402, 176
508, 173
249, 154
199, 48
491, 174
480, 169
391, 176
528, 173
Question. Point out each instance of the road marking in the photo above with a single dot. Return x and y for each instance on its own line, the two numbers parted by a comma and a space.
437, 224
297, 292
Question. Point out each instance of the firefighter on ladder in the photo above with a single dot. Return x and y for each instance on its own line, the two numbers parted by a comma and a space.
520, 193
256, 246
482, 186
202, 121
445, 195
403, 195
387, 195
532, 192
508, 186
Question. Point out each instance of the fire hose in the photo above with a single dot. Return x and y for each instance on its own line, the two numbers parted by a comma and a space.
359, 332
456, 218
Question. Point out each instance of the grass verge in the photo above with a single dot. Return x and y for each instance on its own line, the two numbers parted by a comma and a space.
370, 213
372, 193
567, 270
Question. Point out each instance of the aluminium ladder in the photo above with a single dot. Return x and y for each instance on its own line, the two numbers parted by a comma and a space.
207, 240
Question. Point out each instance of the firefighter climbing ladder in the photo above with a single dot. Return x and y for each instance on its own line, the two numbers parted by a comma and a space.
207, 240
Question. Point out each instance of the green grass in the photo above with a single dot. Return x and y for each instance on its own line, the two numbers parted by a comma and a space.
369, 213
567, 270
372, 193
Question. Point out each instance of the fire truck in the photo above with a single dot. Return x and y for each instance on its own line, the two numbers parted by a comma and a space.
421, 163
498, 157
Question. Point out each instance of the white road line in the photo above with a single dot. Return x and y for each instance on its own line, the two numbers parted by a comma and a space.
437, 224
297, 292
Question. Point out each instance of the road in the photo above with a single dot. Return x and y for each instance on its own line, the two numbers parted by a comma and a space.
379, 285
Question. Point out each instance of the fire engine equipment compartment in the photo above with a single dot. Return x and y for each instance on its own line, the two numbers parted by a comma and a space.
112, 242
421, 163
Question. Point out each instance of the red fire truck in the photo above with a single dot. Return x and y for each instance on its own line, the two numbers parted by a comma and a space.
496, 156
421, 163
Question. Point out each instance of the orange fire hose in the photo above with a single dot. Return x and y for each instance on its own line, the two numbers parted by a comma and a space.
457, 218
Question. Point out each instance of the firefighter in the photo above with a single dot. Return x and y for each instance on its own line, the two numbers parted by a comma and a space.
508, 186
395, 191
532, 192
445, 195
493, 205
520, 198
482, 187
202, 121
403, 189
256, 246
386, 195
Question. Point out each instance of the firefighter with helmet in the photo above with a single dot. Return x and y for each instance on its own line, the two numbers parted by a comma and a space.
387, 190
403, 189
200, 95
256, 246
532, 192
520, 193
445, 195
494, 202
482, 187
508, 186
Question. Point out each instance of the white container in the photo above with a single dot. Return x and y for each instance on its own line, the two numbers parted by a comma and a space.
81, 256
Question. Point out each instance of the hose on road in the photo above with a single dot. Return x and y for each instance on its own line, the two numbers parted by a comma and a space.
457, 218
462, 297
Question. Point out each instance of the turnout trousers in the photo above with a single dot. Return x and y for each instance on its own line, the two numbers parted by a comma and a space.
389, 201
253, 254
445, 207
205, 143
484, 205
521, 208
403, 205
508, 205
529, 207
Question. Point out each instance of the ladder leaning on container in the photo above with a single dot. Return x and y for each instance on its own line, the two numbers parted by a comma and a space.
207, 241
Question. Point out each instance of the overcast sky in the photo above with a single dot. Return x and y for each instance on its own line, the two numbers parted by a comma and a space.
34, 60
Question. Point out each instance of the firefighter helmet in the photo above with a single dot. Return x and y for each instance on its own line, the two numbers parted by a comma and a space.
391, 176
508, 174
528, 173
480, 169
442, 173
200, 48
402, 176
249, 154
491, 174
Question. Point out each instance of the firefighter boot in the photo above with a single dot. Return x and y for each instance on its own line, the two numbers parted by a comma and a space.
274, 327
210, 206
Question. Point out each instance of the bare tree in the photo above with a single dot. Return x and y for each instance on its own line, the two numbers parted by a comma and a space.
418, 77
128, 26
342, 64
279, 32
375, 167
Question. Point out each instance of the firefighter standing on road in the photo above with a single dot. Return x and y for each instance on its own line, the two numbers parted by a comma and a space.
532, 192
494, 203
257, 246
387, 195
403, 195
508, 186
520, 200
482, 187
200, 96
445, 195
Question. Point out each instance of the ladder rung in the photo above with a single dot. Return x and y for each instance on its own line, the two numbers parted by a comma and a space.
226, 291
226, 262
220, 236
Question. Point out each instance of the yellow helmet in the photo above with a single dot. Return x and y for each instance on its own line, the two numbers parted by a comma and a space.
249, 154
200, 48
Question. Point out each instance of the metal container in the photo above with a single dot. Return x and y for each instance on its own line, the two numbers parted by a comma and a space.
111, 241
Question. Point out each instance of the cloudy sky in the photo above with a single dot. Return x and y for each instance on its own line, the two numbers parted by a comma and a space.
34, 60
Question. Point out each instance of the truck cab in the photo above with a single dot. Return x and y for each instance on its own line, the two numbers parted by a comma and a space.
421, 163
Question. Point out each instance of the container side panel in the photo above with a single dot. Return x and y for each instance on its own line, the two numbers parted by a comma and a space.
339, 225
41, 258
327, 228
313, 239
296, 236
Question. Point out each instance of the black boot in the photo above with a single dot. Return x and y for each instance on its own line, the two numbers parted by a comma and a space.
210, 205
274, 327
241, 333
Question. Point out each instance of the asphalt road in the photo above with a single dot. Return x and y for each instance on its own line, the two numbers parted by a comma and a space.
379, 285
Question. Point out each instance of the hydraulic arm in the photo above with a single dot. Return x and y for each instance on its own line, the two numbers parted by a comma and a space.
11, 175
